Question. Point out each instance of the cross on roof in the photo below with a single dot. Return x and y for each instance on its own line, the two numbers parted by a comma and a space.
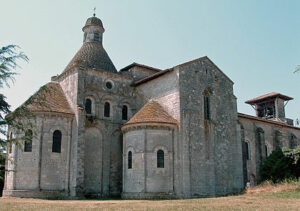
94, 11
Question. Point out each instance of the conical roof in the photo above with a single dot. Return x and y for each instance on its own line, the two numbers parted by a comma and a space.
92, 55
49, 98
152, 112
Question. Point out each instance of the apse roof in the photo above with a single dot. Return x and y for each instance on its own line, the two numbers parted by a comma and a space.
49, 98
152, 112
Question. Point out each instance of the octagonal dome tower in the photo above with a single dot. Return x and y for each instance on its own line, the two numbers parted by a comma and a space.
92, 54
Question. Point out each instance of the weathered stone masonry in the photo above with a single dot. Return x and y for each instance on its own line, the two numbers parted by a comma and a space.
142, 132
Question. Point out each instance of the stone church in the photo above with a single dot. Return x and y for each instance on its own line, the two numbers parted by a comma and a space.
142, 132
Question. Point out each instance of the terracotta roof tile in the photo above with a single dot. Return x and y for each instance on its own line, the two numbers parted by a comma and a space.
49, 98
152, 112
268, 96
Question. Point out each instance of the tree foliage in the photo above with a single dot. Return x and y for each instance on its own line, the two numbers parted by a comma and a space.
9, 57
281, 164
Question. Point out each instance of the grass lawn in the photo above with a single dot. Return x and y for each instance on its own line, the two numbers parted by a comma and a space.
286, 200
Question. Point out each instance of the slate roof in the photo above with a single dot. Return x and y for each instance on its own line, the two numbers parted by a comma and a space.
268, 96
152, 112
92, 55
49, 98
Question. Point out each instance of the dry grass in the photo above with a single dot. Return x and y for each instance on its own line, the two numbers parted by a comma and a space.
270, 187
268, 196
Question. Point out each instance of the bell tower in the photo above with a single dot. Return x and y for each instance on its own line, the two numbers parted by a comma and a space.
93, 30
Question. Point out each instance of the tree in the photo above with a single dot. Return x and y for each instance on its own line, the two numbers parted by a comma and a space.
9, 55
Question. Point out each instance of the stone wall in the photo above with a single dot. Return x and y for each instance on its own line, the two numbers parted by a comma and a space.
164, 90
272, 133
105, 152
145, 179
211, 151
41, 169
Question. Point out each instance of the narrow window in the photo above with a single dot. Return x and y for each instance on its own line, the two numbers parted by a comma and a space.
266, 150
28, 141
160, 159
56, 144
10, 144
247, 149
206, 108
88, 106
84, 37
124, 112
107, 109
293, 141
129, 160
96, 36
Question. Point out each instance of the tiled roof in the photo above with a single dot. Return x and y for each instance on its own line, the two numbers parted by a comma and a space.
49, 98
92, 55
268, 96
152, 112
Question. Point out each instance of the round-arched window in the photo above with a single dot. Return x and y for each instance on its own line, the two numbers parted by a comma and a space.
88, 106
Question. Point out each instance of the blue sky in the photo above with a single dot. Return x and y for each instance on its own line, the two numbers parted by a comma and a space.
255, 42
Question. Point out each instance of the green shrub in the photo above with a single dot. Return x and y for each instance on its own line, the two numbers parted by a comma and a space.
280, 165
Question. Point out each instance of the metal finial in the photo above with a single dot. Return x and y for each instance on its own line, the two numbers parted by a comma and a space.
94, 11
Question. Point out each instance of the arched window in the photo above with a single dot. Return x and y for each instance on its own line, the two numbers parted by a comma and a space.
107, 109
293, 141
96, 36
247, 150
124, 112
88, 106
56, 144
277, 139
28, 141
160, 159
84, 37
206, 107
10, 144
129, 160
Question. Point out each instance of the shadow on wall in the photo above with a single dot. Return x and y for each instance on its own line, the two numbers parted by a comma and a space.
2, 171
